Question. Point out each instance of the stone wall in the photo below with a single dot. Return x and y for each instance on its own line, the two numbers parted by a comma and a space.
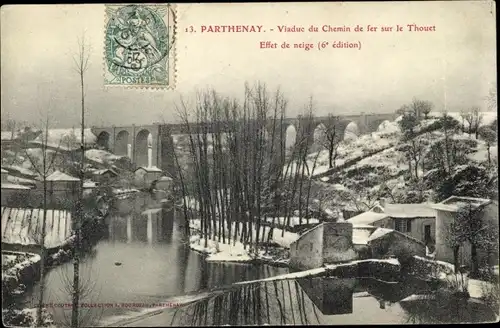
337, 242
329, 242
394, 243
332, 296
307, 251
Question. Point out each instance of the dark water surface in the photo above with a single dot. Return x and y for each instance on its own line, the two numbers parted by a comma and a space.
143, 261
149, 245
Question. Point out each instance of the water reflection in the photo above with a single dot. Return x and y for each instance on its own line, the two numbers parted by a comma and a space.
149, 241
330, 296
329, 301
279, 302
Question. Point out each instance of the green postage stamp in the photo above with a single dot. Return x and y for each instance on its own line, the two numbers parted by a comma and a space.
139, 45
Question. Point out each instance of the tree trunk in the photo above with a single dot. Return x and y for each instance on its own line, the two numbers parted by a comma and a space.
489, 154
42, 247
455, 258
79, 217
474, 260
330, 156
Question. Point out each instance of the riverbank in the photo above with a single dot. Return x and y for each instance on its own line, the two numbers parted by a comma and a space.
21, 260
275, 252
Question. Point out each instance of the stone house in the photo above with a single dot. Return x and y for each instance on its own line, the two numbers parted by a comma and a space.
164, 183
145, 176
328, 242
61, 189
388, 242
414, 220
446, 212
103, 175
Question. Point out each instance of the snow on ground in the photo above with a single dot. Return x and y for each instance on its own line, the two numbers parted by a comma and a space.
295, 220
101, 156
388, 127
316, 272
389, 158
283, 241
24, 226
487, 117
12, 264
89, 184
219, 252
120, 191
8, 135
29, 317
68, 139
387, 136
481, 155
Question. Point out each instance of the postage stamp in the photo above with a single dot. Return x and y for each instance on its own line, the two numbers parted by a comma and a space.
139, 45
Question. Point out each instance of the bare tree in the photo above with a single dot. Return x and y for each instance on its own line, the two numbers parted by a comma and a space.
11, 124
331, 138
413, 146
43, 168
470, 226
490, 137
81, 61
492, 99
240, 175
474, 118
88, 293
419, 107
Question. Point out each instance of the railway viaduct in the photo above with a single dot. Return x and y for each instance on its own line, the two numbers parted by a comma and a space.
153, 145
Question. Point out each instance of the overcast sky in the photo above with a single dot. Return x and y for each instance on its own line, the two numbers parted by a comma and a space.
454, 67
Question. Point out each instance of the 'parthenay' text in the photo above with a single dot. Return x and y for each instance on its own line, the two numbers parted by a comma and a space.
230, 28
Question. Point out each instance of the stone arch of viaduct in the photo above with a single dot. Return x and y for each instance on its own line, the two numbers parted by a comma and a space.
152, 145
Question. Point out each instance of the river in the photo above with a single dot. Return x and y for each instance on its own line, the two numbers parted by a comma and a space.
142, 260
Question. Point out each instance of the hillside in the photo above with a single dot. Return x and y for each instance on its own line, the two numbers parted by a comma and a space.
386, 174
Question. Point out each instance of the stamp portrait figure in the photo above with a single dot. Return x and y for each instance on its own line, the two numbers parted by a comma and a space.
138, 45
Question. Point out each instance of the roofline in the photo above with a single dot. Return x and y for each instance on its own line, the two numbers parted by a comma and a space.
453, 208
413, 217
485, 200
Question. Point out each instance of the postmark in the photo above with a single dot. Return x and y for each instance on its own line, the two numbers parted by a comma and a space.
139, 45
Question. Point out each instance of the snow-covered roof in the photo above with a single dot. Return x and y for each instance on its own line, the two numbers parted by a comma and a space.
423, 210
4, 171
89, 184
14, 186
102, 171
19, 180
60, 176
149, 169
453, 203
100, 155
361, 234
379, 233
19, 169
22, 226
367, 218
165, 178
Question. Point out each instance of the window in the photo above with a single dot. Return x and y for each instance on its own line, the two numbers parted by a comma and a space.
402, 225
427, 233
